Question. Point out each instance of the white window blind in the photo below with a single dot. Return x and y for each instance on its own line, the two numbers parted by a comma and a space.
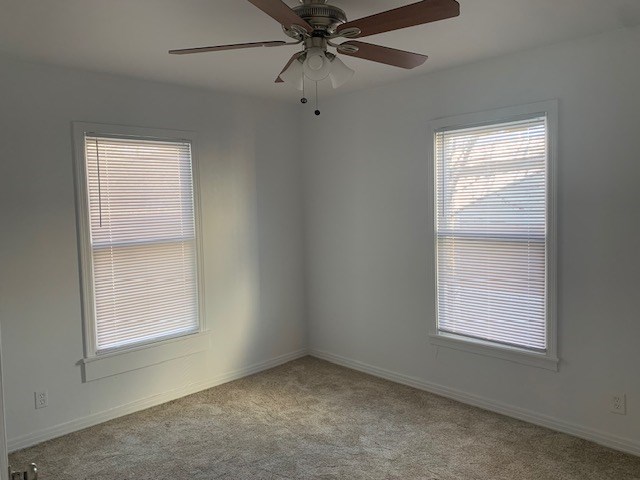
143, 239
491, 208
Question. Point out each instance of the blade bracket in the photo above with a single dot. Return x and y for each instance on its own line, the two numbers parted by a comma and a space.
347, 48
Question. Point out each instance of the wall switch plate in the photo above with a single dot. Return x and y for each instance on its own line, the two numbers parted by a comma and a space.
42, 399
618, 404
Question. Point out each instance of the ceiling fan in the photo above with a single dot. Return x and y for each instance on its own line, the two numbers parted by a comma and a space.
315, 24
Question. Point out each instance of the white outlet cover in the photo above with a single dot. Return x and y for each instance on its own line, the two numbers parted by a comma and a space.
618, 404
42, 399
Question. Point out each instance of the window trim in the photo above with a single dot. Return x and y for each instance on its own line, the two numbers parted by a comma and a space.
143, 355
549, 359
91, 355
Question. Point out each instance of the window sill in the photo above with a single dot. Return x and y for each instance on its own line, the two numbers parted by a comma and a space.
480, 347
115, 363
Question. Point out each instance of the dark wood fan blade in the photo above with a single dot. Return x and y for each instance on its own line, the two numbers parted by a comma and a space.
294, 57
386, 55
280, 11
235, 46
219, 48
415, 14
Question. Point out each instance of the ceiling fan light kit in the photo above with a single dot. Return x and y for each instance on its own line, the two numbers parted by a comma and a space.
316, 65
315, 23
294, 74
340, 73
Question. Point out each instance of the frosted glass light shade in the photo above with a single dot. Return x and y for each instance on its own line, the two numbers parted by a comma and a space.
293, 74
340, 73
316, 66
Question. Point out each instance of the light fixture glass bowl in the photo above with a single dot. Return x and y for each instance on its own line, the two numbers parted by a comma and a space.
340, 73
317, 66
293, 74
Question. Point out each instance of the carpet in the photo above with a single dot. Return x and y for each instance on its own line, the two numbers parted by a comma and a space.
310, 419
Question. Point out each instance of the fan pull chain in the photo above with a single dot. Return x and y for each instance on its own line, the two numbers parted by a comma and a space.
317, 112
304, 97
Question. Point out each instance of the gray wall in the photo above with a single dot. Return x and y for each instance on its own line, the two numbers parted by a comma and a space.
251, 218
348, 231
369, 238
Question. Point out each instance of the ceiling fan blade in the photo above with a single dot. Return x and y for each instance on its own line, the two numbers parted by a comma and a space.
386, 55
282, 13
294, 57
235, 46
408, 16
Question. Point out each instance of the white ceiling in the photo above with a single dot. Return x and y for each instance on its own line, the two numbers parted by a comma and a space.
131, 37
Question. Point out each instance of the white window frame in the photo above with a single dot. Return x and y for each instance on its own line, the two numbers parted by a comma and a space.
548, 359
112, 362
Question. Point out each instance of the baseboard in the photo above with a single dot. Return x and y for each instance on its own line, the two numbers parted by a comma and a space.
612, 441
607, 440
34, 438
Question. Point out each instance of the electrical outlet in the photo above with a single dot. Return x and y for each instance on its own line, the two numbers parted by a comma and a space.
618, 404
42, 399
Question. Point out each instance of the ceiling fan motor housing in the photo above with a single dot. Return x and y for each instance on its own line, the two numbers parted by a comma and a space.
322, 17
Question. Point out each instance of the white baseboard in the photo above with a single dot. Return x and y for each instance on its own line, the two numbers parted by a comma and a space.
612, 441
605, 439
34, 438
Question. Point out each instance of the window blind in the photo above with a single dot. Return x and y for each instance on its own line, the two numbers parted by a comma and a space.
143, 242
491, 207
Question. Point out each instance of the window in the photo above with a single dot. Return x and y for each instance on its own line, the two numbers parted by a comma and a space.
493, 232
139, 242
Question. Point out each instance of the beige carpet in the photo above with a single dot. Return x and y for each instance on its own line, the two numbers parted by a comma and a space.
311, 419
